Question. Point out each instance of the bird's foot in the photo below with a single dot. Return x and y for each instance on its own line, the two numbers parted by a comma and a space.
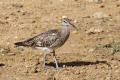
45, 68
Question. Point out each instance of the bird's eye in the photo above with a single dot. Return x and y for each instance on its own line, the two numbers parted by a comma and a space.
65, 21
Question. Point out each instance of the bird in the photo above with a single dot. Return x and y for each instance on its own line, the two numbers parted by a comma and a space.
50, 40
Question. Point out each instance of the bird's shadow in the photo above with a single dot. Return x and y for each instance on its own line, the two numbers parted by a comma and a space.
77, 63
1, 64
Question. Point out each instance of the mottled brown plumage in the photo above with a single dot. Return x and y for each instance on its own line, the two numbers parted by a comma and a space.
49, 40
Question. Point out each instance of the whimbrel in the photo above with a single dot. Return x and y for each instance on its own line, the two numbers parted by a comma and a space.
49, 40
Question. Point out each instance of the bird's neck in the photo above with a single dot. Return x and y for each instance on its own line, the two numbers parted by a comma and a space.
65, 30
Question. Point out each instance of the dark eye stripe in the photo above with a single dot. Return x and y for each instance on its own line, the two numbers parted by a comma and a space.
65, 21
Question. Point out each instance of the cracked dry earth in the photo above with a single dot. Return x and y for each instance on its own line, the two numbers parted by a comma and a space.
98, 22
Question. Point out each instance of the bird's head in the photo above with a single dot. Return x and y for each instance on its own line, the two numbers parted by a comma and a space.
66, 22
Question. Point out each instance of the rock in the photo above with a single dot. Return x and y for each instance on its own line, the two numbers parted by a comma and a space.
17, 5
11, 53
64, 66
77, 72
100, 15
102, 6
75, 21
92, 50
98, 1
98, 38
94, 30
4, 51
16, 37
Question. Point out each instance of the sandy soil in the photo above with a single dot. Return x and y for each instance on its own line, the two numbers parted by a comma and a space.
98, 23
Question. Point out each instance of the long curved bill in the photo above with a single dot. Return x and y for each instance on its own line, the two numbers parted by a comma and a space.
73, 26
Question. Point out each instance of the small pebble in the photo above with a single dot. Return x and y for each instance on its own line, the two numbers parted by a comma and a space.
92, 50
75, 21
16, 37
94, 30
3, 51
100, 15
11, 53
98, 38
64, 66
77, 72
98, 1
17, 5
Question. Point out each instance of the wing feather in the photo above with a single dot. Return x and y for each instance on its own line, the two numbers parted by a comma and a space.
45, 39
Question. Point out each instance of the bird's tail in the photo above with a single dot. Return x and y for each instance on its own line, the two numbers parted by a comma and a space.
19, 44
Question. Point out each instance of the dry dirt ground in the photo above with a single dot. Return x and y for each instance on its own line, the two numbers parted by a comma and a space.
91, 53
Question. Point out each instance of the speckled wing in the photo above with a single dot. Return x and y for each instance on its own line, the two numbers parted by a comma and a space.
45, 39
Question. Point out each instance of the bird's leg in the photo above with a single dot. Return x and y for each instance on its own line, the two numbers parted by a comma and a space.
44, 61
54, 56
